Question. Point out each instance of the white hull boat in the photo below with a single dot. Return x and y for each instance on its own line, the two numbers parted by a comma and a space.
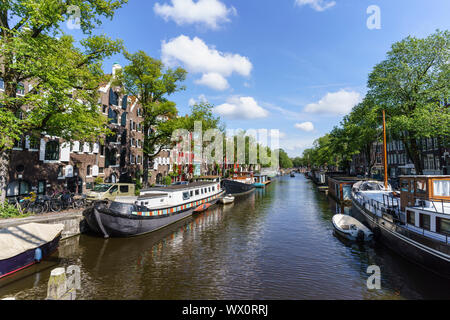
227, 200
351, 228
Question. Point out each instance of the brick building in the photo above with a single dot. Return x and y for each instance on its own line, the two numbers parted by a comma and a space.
49, 163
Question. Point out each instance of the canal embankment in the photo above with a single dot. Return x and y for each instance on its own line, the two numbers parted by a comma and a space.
73, 222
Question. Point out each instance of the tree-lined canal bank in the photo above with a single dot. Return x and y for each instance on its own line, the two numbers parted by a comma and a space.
276, 243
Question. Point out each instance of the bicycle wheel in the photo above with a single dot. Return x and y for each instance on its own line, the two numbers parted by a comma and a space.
55, 206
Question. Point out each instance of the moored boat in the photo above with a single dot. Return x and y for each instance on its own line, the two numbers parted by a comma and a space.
416, 225
152, 210
351, 228
203, 208
241, 183
227, 199
261, 180
27, 244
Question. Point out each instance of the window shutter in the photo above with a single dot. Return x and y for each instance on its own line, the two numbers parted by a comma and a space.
65, 152
95, 171
42, 150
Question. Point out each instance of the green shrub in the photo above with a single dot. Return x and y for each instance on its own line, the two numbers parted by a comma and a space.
167, 181
10, 211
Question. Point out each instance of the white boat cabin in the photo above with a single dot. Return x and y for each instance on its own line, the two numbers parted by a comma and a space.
175, 195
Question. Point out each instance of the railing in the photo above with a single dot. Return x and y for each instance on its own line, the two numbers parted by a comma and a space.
403, 227
441, 201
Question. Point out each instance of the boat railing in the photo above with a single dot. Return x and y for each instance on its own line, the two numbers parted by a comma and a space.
401, 226
436, 203
427, 233
390, 205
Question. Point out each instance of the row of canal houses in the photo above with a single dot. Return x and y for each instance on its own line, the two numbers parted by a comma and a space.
48, 163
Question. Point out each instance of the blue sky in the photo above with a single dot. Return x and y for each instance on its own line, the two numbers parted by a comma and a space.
293, 65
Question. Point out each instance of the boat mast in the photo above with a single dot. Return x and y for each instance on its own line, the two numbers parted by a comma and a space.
385, 152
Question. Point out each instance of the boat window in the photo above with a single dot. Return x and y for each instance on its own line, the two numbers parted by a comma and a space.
411, 217
441, 188
197, 192
213, 189
404, 185
425, 221
201, 190
191, 193
421, 187
209, 189
186, 195
443, 226
123, 189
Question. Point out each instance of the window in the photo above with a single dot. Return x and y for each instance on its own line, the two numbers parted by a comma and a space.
34, 143
213, 189
52, 151
443, 226
441, 188
191, 193
113, 98
112, 116
104, 108
197, 192
114, 188
186, 196
20, 89
61, 172
18, 188
123, 119
101, 170
124, 189
41, 187
421, 187
425, 221
89, 171
411, 217
404, 185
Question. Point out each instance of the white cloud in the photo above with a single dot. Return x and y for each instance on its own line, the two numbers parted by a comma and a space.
214, 81
197, 57
210, 13
340, 103
241, 108
305, 126
318, 5
201, 99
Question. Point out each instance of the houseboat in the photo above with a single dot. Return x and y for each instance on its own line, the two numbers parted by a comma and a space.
153, 209
261, 180
340, 188
240, 183
414, 223
25, 245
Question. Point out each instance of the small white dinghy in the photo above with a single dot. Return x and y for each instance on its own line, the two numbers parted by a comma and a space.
351, 228
227, 199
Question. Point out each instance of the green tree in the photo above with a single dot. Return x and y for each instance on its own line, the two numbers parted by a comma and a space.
64, 74
285, 161
412, 86
147, 79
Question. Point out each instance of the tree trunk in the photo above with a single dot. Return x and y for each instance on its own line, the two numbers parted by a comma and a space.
5, 157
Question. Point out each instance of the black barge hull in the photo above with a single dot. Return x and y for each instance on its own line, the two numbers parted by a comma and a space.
431, 255
237, 188
118, 221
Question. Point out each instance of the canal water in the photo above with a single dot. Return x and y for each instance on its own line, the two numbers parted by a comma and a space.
277, 243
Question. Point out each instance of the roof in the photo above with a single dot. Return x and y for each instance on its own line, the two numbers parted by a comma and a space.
174, 188
425, 176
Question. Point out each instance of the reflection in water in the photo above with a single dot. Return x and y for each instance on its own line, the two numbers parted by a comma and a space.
277, 243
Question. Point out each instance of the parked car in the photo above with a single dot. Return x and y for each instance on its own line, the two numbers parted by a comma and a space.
109, 191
